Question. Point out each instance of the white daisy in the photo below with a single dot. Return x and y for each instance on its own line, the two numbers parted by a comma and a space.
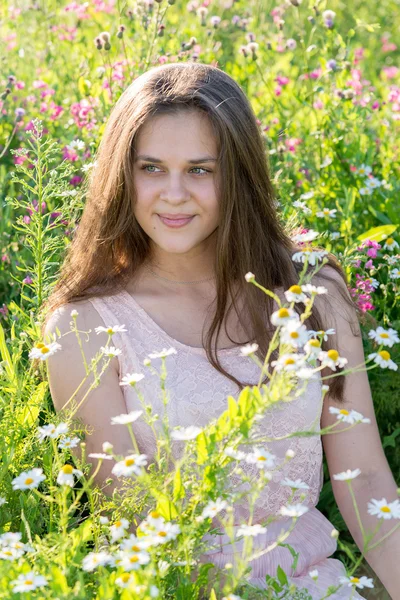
321, 333
11, 554
236, 454
110, 351
154, 519
312, 348
28, 480
134, 543
295, 294
110, 329
390, 244
124, 580
10, 537
164, 353
302, 206
118, 529
383, 509
134, 560
232, 597
347, 475
332, 359
306, 373
43, 351
309, 236
66, 475
351, 416
373, 183
294, 333
373, 282
283, 316
297, 485
288, 362
360, 582
100, 455
326, 212
307, 195
95, 559
314, 289
249, 349
68, 442
250, 530
131, 465
3, 501
52, 431
364, 170
391, 260
28, 582
188, 433
262, 458
394, 274
309, 253
383, 359
131, 379
293, 510
166, 532
126, 418
213, 508
387, 337
365, 191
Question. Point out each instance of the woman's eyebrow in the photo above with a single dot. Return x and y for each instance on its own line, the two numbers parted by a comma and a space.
203, 159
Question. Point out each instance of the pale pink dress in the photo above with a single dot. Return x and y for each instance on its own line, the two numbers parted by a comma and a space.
198, 393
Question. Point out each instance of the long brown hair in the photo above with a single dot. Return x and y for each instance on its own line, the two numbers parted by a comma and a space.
109, 245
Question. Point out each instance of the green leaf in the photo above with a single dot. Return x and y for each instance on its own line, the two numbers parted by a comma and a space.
282, 577
213, 595
378, 233
202, 452
179, 490
389, 440
5, 356
165, 507
28, 414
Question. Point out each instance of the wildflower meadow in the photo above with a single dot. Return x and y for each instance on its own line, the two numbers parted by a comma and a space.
324, 81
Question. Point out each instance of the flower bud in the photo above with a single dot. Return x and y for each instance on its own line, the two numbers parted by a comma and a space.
249, 276
107, 447
98, 43
120, 32
334, 534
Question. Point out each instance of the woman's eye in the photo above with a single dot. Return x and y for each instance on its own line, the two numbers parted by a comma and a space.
154, 167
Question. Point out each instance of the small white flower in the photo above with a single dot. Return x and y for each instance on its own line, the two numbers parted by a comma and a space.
283, 315
383, 359
232, 597
347, 475
3, 501
250, 530
364, 170
312, 348
74, 313
96, 559
66, 475
314, 289
131, 379
332, 359
360, 582
307, 195
391, 260
27, 582
314, 574
154, 591
78, 144
293, 510
394, 274
291, 44
288, 362
164, 353
387, 337
165, 532
297, 485
326, 212
188, 433
383, 509
213, 508
321, 333
43, 351
88, 166
11, 554
249, 276
335, 235
262, 458
295, 294
373, 183
328, 14
110, 351
100, 455
249, 349
110, 329
68, 442
294, 333
306, 373
131, 465
118, 529
52, 431
126, 418
134, 560
309, 236
10, 538
390, 244
28, 480
290, 453
365, 191
308, 253
303, 206
107, 447
124, 580
351, 416
104, 520
236, 454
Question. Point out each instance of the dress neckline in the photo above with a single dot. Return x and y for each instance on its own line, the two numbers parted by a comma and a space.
195, 349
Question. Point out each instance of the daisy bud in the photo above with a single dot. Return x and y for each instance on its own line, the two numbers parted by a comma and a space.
325, 388
290, 453
160, 31
228, 565
249, 276
147, 362
243, 50
334, 534
98, 43
105, 37
120, 32
107, 447
74, 313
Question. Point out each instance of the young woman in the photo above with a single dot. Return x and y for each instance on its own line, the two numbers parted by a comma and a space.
179, 208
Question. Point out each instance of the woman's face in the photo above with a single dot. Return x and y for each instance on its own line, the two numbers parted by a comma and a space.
177, 177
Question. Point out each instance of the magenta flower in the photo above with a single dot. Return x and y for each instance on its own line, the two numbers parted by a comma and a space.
76, 180
28, 280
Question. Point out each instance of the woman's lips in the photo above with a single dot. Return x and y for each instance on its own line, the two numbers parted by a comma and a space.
174, 223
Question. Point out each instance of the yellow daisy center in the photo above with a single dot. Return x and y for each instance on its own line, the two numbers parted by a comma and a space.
385, 355
125, 577
110, 330
326, 211
354, 579
162, 533
8, 552
295, 289
333, 355
390, 241
385, 509
28, 582
283, 313
343, 411
314, 343
321, 332
39, 345
135, 548
154, 514
28, 480
129, 462
261, 458
294, 334
67, 469
117, 524
289, 361
44, 350
384, 335
134, 559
